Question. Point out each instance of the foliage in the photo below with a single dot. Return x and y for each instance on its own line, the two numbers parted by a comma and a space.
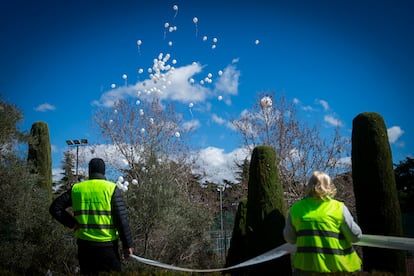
238, 244
167, 223
301, 148
265, 215
30, 244
404, 179
40, 155
373, 178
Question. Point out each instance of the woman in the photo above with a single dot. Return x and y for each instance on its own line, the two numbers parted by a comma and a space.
323, 230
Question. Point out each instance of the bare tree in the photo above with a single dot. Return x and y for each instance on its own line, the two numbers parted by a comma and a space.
152, 140
300, 147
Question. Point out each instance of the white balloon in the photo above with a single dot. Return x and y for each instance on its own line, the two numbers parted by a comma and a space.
113, 85
138, 102
142, 130
166, 25
174, 61
141, 112
209, 75
126, 183
177, 134
220, 72
213, 46
170, 43
140, 70
220, 98
190, 105
191, 80
111, 121
124, 76
175, 7
195, 20
121, 179
139, 42
215, 40
256, 41
205, 38
266, 102
134, 182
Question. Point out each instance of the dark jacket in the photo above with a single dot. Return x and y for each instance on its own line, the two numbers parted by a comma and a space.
119, 214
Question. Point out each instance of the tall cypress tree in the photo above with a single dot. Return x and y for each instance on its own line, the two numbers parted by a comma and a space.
266, 212
238, 250
39, 155
375, 191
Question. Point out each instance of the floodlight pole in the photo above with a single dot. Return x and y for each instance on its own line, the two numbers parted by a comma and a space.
76, 143
220, 189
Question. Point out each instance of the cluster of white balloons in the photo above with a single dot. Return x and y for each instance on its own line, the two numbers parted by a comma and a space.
123, 184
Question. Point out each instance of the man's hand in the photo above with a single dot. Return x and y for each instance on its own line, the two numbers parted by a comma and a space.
128, 252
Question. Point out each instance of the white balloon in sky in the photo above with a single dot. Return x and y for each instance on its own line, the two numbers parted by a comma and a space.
142, 130
141, 112
195, 20
166, 25
256, 41
215, 40
113, 85
220, 72
190, 105
266, 102
139, 42
115, 111
177, 134
175, 7
209, 75
140, 70
134, 182
121, 179
170, 43
191, 80
138, 102
111, 121
205, 38
124, 76
174, 61
220, 98
213, 46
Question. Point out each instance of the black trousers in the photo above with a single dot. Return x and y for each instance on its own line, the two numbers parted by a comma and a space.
95, 257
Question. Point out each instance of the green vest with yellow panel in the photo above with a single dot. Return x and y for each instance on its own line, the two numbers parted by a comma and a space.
91, 203
321, 247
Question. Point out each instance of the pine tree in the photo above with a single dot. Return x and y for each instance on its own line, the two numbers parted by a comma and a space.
39, 155
378, 210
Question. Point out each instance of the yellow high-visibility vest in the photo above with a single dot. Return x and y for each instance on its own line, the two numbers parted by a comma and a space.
321, 247
91, 203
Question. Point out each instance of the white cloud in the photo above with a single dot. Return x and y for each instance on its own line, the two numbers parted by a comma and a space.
229, 81
332, 120
218, 119
44, 107
219, 165
394, 133
191, 125
323, 103
177, 84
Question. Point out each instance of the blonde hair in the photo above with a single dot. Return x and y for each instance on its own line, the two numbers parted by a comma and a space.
320, 186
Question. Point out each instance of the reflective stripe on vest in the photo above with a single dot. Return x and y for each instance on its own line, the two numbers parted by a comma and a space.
91, 203
321, 247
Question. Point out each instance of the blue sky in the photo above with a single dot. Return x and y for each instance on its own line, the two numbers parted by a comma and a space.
61, 59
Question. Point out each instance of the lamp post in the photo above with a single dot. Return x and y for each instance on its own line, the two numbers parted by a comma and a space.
220, 189
76, 143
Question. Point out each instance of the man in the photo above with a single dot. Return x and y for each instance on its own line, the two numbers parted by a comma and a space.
99, 219
323, 230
